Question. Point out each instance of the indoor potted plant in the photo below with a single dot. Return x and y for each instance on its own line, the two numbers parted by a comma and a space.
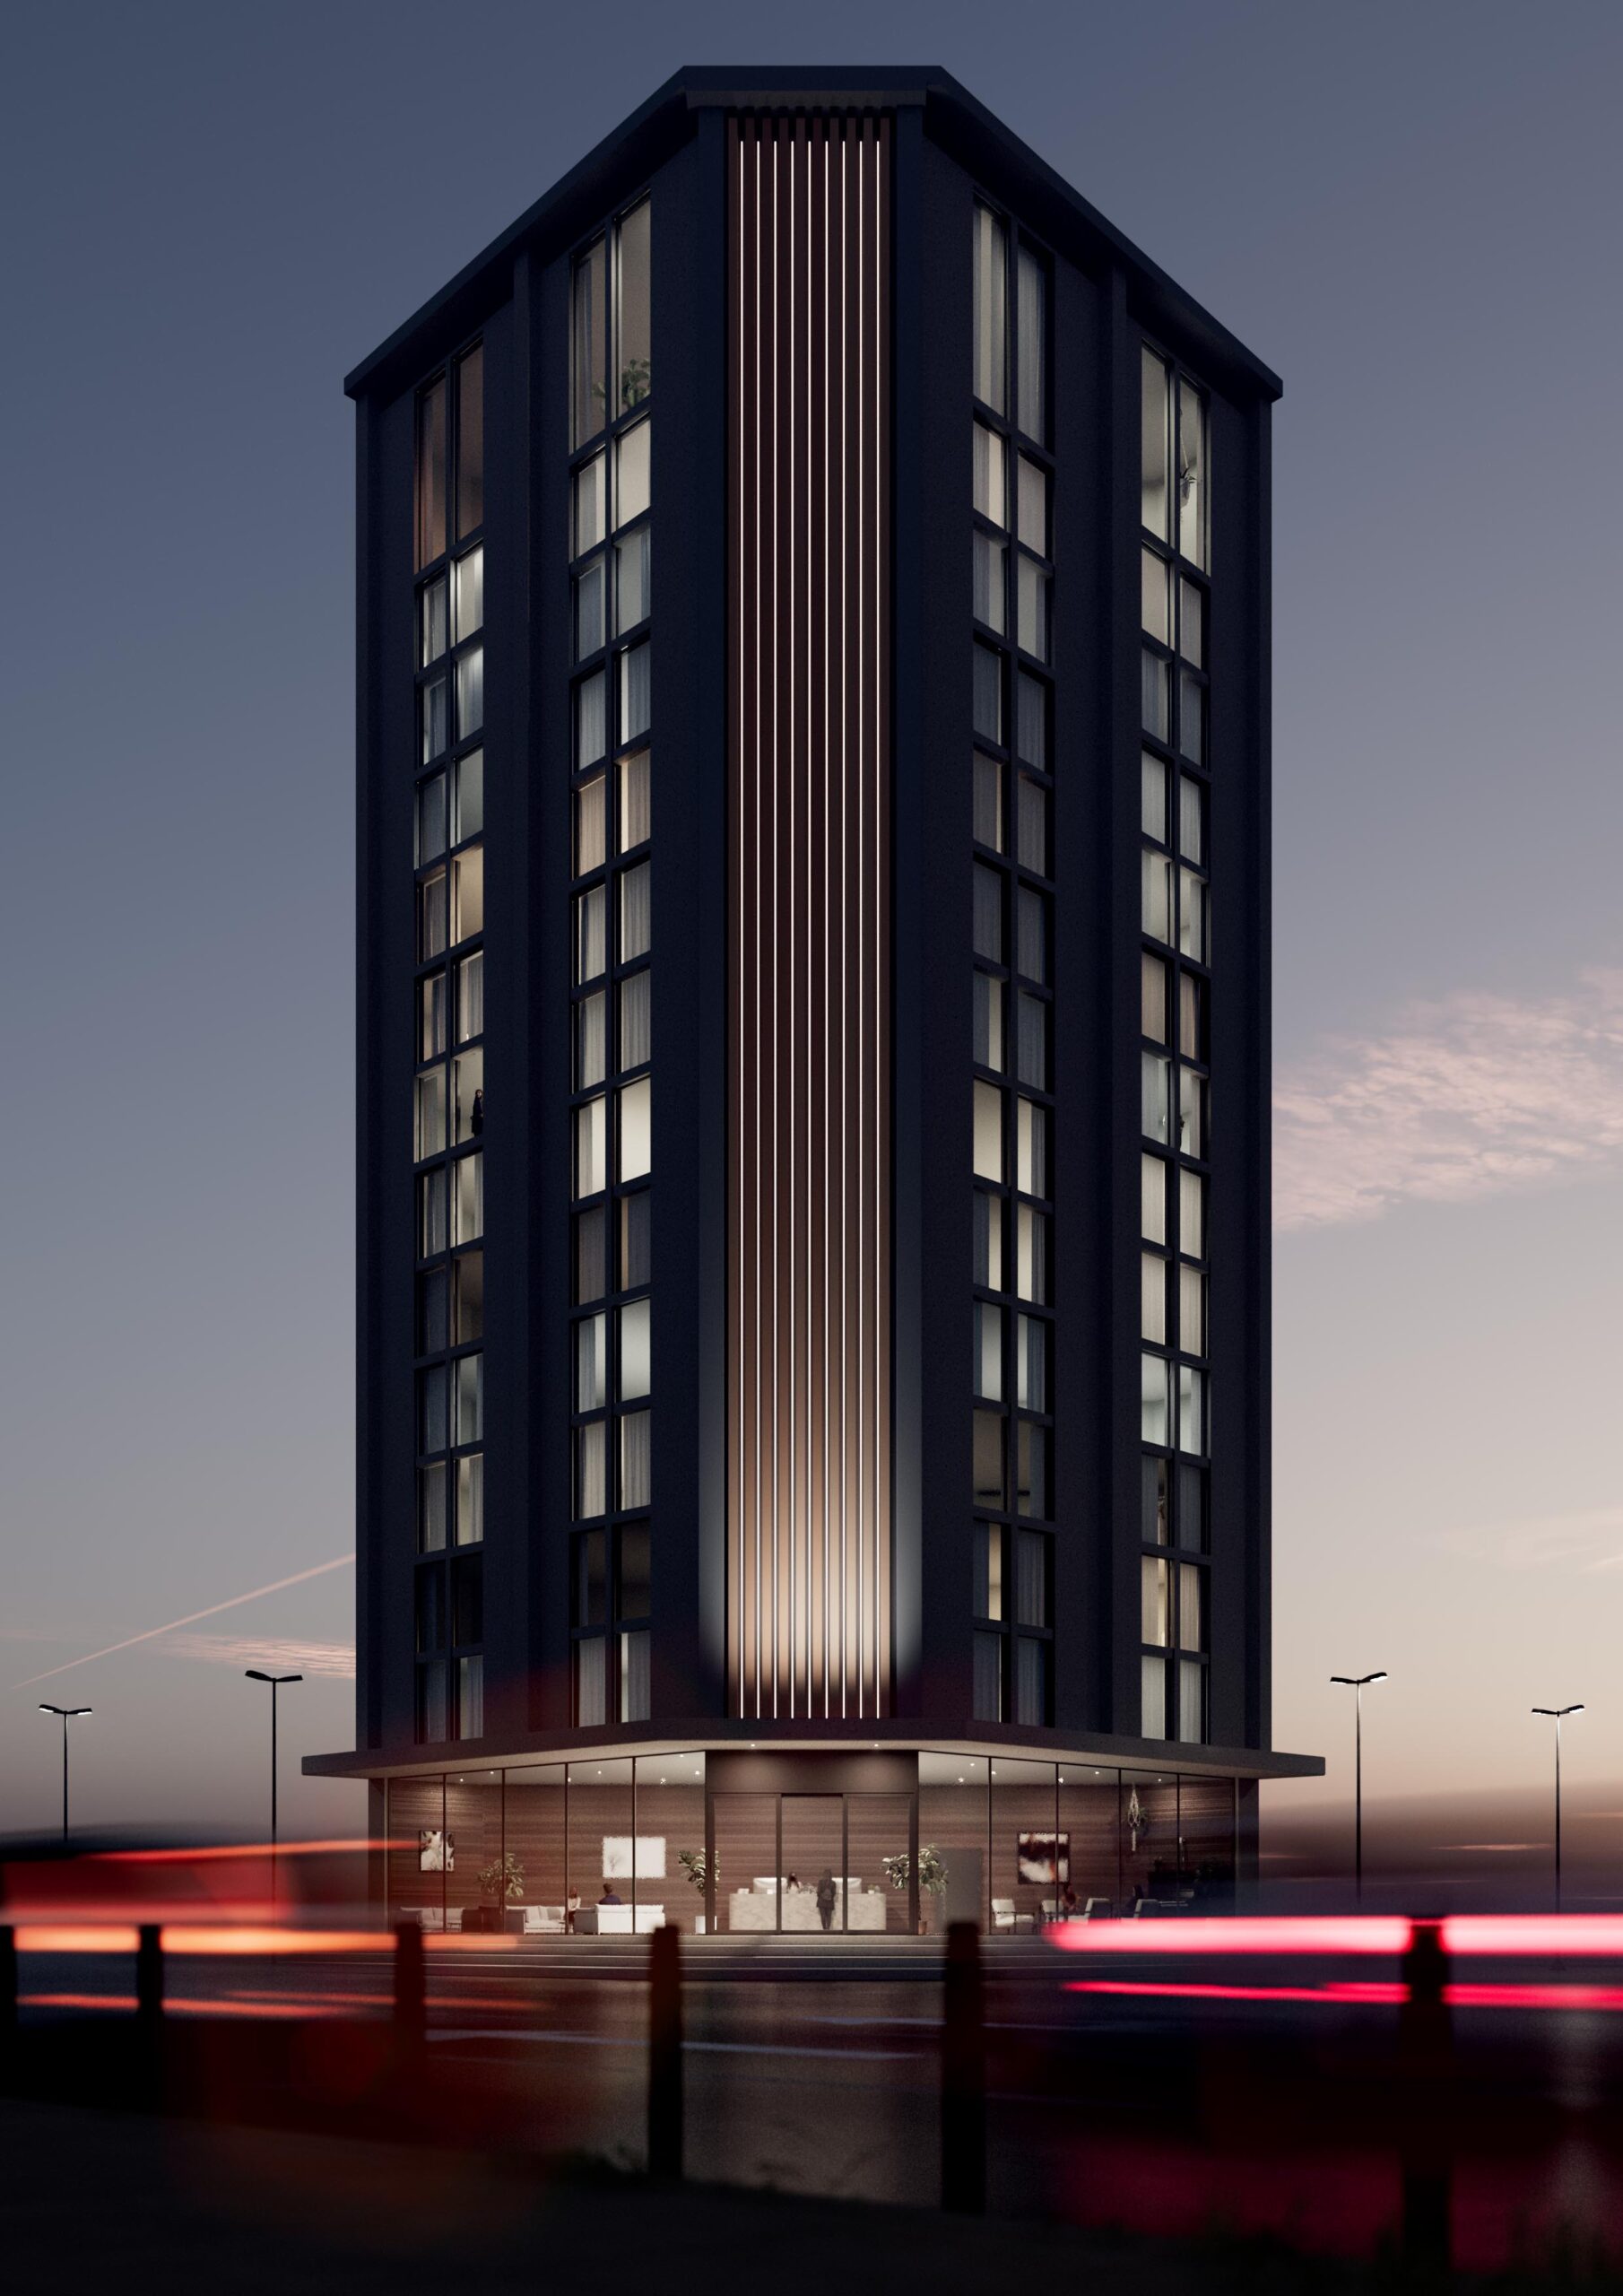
931, 1876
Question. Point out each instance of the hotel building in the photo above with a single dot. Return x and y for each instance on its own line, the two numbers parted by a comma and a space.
813, 763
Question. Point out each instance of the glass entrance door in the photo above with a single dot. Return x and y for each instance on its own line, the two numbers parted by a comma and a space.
811, 1891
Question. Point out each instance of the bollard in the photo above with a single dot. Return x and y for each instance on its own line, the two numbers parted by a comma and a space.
1429, 2099
8, 2004
149, 1977
411, 1987
664, 2053
963, 2074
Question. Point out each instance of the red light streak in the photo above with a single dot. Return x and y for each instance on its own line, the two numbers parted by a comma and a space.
1381, 1934
1376, 1994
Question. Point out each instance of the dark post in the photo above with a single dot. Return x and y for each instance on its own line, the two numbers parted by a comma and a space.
411, 1987
963, 2074
149, 1976
8, 1999
1429, 2098
664, 2053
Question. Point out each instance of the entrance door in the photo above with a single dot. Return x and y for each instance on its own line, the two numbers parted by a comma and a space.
812, 1892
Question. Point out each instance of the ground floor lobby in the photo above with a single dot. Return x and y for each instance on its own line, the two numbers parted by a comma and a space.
726, 1843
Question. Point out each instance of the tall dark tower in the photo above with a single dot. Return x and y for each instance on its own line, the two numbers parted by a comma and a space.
813, 951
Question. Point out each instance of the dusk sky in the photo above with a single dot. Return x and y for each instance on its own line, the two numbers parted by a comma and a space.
212, 213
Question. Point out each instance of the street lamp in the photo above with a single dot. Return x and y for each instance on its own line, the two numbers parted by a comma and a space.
1557, 1715
1356, 1682
276, 1683
68, 1714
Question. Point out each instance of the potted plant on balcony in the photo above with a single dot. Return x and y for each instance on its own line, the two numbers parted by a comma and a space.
931, 1876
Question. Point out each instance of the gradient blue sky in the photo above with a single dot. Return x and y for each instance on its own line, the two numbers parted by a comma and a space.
1411, 210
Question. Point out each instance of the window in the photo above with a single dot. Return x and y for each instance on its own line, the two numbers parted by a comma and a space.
636, 1465
632, 591
587, 327
635, 690
467, 784
989, 583
591, 720
1191, 473
1192, 1213
1031, 1148
635, 922
467, 1198
987, 1353
635, 1241
430, 474
433, 628
1032, 850
469, 591
432, 1226
591, 933
431, 1508
470, 692
1156, 442
1031, 354
591, 1040
470, 442
1031, 1254
1152, 1199
1152, 1298
591, 1147
988, 913
989, 482
988, 1458
470, 996
591, 1364
1153, 806
987, 1595
988, 1133
636, 1130
633, 472
430, 819
988, 1021
636, 1018
636, 818
590, 523
988, 695
467, 893
433, 719
1155, 1400
635, 341
988, 1249
990, 308
636, 1367
590, 826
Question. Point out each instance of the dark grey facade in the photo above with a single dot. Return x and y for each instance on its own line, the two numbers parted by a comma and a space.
856, 1335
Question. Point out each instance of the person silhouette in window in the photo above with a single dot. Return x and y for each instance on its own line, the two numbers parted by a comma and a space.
476, 1120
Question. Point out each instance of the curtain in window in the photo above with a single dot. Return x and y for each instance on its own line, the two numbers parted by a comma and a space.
1155, 1401
987, 583
988, 803
635, 690
634, 1703
591, 1492
590, 838
1032, 1358
1152, 1682
1032, 1145
636, 1458
635, 801
1031, 1578
470, 693
636, 921
635, 1020
990, 307
988, 913
1031, 722
1192, 1702
591, 1040
591, 935
1031, 338
591, 1257
589, 1673
470, 1398
988, 1678
591, 720
1030, 1680
469, 1698
591, 1364
470, 997
988, 694
470, 1499
1031, 1050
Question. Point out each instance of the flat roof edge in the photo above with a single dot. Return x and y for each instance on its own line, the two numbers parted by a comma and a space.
955, 118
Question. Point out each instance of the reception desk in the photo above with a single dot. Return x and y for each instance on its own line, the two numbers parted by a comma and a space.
757, 1908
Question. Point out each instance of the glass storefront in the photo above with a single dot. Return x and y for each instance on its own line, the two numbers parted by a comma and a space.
620, 1848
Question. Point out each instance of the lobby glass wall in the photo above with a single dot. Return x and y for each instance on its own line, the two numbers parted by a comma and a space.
619, 1848
552, 1848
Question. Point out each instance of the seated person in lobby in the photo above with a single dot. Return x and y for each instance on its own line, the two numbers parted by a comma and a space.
571, 1907
611, 1895
791, 1881
1067, 1903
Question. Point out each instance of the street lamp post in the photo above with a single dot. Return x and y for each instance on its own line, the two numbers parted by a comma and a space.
276, 1681
1356, 1682
1557, 1715
68, 1714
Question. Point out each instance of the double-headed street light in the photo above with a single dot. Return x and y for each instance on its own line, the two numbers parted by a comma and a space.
1557, 1715
1356, 1682
68, 1714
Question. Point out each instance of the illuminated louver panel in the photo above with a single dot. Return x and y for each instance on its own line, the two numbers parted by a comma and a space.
808, 1067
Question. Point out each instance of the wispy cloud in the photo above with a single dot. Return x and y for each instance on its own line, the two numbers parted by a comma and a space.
1469, 1097
152, 1633
1587, 1540
333, 1661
